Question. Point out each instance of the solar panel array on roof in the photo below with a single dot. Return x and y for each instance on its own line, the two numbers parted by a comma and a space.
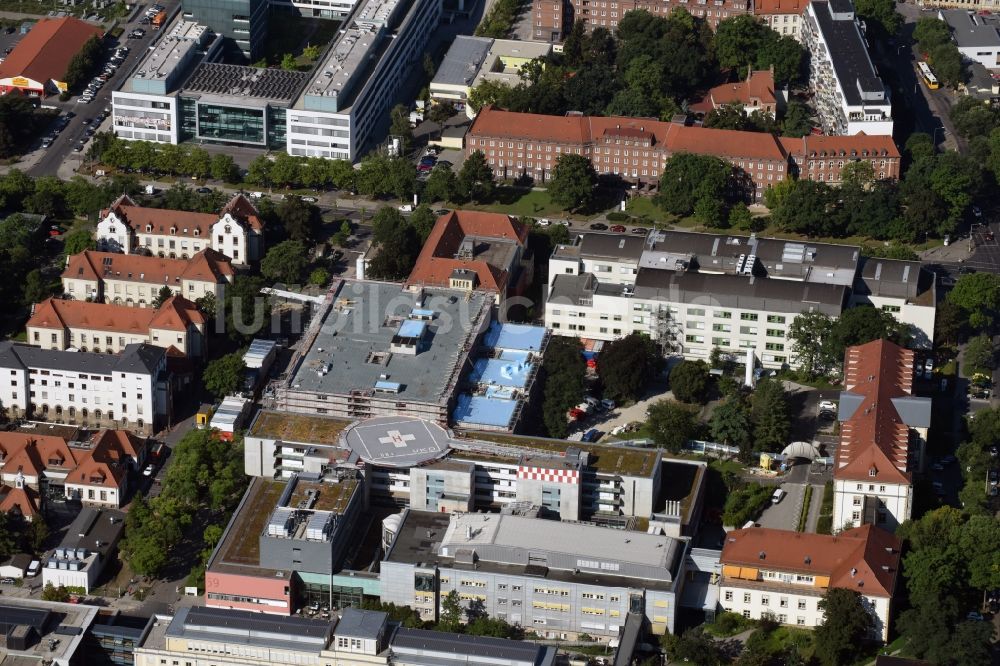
222, 79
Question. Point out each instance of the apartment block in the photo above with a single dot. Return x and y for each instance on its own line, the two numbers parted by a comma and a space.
130, 390
136, 280
86, 325
236, 232
785, 574
606, 14
883, 435
823, 158
783, 16
243, 21
697, 292
849, 95
551, 20
557, 579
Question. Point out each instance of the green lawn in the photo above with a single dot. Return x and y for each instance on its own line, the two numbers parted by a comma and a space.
531, 203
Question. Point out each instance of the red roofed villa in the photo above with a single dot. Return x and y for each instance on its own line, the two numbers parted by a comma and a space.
883, 432
474, 250
38, 64
786, 574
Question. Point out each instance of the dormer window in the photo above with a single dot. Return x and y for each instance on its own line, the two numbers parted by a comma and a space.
872, 472
229, 229
173, 231
149, 228
197, 232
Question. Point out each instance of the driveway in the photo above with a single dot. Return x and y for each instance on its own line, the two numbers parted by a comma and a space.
785, 514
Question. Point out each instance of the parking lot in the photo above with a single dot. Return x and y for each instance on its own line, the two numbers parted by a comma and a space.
9, 38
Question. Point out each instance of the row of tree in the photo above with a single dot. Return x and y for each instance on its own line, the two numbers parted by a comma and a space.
205, 474
933, 37
562, 375
819, 342
163, 158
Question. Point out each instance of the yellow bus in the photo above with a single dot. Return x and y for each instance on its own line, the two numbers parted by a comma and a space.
929, 79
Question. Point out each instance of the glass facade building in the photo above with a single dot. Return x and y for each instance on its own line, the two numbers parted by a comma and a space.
243, 21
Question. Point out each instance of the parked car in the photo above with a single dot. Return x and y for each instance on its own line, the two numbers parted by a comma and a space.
591, 435
977, 211
204, 190
975, 616
639, 230
406, 208
994, 477
565, 223
34, 568
938, 488
544, 222
618, 228
598, 226
949, 459
311, 200
929, 368
441, 211
149, 470
608, 404
7, 581
937, 466
778, 495
828, 405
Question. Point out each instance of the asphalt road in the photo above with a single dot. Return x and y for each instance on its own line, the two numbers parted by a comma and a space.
785, 514
61, 149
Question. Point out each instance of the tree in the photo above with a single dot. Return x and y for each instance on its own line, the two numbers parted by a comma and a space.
810, 333
259, 171
627, 365
451, 614
880, 15
930, 32
740, 217
422, 220
805, 208
696, 646
35, 535
311, 52
399, 127
796, 122
687, 178
769, 413
948, 65
862, 324
53, 593
17, 124
979, 355
7, 542
36, 289
672, 424
77, 241
846, 625
300, 220
730, 423
289, 63
572, 183
285, 262
224, 168
343, 234
475, 179
319, 277
440, 185
398, 245
161, 296
82, 64
977, 294
948, 322
737, 40
689, 381
224, 375
284, 170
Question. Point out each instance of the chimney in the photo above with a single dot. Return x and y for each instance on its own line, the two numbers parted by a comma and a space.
468, 532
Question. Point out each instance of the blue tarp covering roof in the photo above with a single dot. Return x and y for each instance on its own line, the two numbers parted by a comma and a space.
477, 410
514, 336
497, 372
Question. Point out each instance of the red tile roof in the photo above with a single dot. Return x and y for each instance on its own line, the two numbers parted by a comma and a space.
207, 266
437, 259
581, 130
759, 85
46, 51
875, 436
22, 500
176, 314
185, 223
779, 6
864, 559
856, 145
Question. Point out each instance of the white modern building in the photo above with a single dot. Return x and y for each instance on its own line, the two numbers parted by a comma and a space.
695, 292
785, 574
130, 389
90, 543
344, 108
977, 35
850, 96
883, 435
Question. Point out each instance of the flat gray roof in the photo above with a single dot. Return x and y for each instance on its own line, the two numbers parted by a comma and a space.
354, 342
397, 441
616, 246
848, 51
359, 623
235, 626
463, 60
431, 644
893, 277
971, 30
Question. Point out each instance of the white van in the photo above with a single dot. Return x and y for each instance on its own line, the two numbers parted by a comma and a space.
778, 495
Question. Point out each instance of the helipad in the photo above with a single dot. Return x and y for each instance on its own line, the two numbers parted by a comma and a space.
397, 441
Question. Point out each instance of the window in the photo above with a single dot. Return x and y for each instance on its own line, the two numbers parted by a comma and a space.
723, 314
748, 316
802, 604
746, 597
775, 333
774, 346
775, 319
783, 602
890, 308
729, 595
746, 613
696, 312
765, 600
801, 621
